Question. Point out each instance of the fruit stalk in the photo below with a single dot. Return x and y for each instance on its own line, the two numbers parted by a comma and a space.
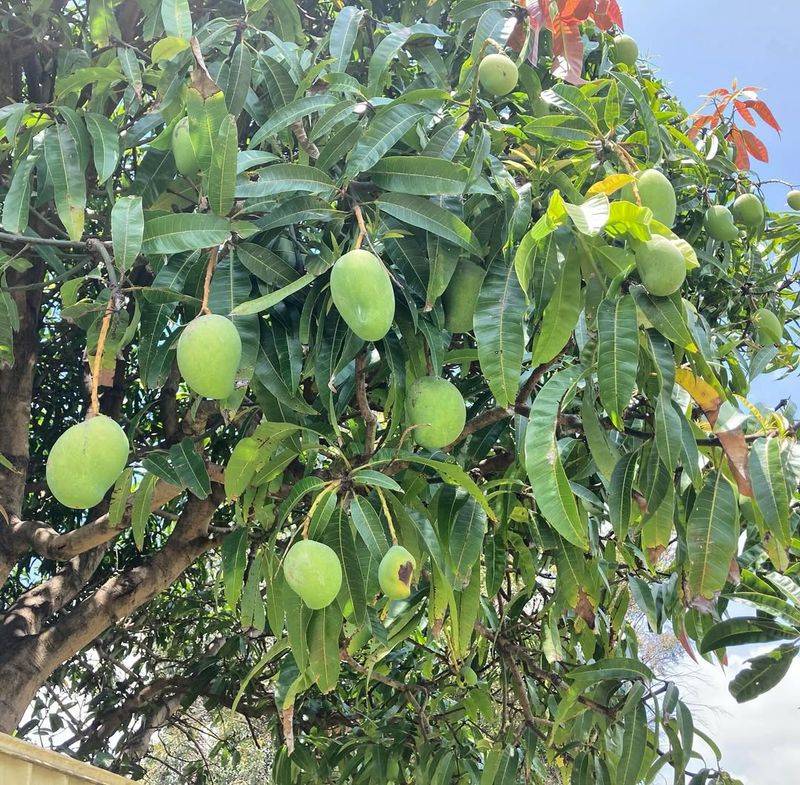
385, 508
94, 408
213, 256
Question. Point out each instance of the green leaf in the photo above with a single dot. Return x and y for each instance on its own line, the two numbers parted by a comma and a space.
242, 465
177, 18
386, 50
634, 744
619, 494
140, 513
323, 646
551, 488
420, 175
285, 178
763, 673
221, 178
273, 298
16, 206
265, 265
743, 630
102, 22
603, 451
119, 498
238, 75
668, 433
591, 216
286, 115
711, 536
297, 210
572, 101
66, 174
205, 120
561, 314
190, 468
384, 131
343, 36
170, 234
427, 215
368, 525
559, 128
344, 545
645, 116
234, 561
617, 354
616, 668
375, 479
465, 540
667, 315
499, 331
105, 144
769, 486
127, 230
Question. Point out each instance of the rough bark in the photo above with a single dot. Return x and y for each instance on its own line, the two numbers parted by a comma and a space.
30, 660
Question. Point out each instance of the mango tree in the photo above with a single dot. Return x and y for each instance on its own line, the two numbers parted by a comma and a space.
367, 369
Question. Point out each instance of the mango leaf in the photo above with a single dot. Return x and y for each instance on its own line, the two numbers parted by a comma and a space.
368, 525
286, 115
762, 673
242, 465
170, 234
711, 536
323, 646
742, 630
427, 215
634, 744
420, 175
66, 174
105, 144
177, 18
341, 540
499, 319
668, 433
343, 36
190, 468
551, 488
646, 116
140, 512
205, 119
234, 561
561, 313
286, 178
667, 315
591, 216
619, 494
273, 298
238, 74
16, 206
221, 177
769, 486
616, 668
617, 354
127, 230
384, 131
465, 540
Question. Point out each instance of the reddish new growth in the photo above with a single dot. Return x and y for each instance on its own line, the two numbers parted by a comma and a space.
565, 27
737, 103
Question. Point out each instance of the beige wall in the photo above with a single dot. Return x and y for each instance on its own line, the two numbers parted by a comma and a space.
25, 764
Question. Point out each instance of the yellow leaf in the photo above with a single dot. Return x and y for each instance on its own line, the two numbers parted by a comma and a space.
611, 184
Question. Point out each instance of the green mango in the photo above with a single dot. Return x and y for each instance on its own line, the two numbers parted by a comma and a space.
498, 74
396, 572
768, 326
626, 50
86, 461
661, 266
314, 572
657, 193
461, 295
209, 353
719, 223
183, 149
793, 199
362, 293
436, 411
748, 211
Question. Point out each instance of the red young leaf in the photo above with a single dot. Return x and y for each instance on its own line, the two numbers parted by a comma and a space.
745, 112
764, 113
742, 158
567, 52
755, 146
701, 120
608, 13
540, 19
572, 11
718, 92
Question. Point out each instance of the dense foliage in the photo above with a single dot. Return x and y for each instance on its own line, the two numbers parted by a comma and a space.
165, 160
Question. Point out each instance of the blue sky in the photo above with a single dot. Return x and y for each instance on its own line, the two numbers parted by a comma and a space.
698, 45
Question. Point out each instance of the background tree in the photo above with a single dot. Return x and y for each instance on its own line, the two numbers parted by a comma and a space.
540, 241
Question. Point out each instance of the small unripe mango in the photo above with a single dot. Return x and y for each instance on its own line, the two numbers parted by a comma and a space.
498, 74
657, 193
748, 211
661, 266
362, 293
436, 411
86, 461
768, 326
469, 676
209, 353
719, 223
183, 149
314, 572
461, 295
626, 50
793, 200
396, 572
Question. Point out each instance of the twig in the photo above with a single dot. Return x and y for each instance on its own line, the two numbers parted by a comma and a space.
24, 238
385, 508
213, 256
98, 356
362, 227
